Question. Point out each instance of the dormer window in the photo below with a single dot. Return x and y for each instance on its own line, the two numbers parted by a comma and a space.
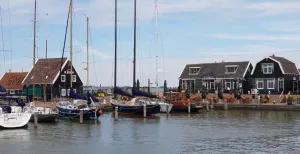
267, 68
194, 70
231, 69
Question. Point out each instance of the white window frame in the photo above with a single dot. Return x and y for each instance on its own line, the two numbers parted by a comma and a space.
270, 80
234, 66
63, 92
229, 84
68, 92
12, 92
194, 68
74, 78
205, 83
63, 78
234, 85
261, 81
281, 79
213, 84
267, 65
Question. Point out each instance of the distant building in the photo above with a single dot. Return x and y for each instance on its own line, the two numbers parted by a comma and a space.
12, 82
226, 75
275, 74
47, 71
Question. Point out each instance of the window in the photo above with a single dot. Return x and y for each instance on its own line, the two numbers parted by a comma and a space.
194, 70
63, 92
271, 83
280, 84
233, 85
228, 85
212, 85
12, 91
63, 78
294, 78
68, 92
267, 68
260, 84
74, 78
205, 84
231, 69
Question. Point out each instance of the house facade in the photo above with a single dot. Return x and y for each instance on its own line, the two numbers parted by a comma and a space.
52, 74
275, 75
212, 76
12, 82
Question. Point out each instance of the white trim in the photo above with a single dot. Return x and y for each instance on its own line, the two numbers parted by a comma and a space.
278, 64
266, 65
27, 75
273, 80
262, 84
281, 79
3, 76
74, 78
57, 75
226, 84
182, 70
247, 69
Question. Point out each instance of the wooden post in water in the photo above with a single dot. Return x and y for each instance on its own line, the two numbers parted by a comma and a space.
189, 107
167, 109
35, 118
81, 117
225, 105
207, 106
116, 113
145, 110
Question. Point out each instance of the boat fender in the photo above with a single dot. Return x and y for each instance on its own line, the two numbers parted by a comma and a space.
99, 112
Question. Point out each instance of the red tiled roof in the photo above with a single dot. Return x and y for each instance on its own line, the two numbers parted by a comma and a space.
44, 67
13, 80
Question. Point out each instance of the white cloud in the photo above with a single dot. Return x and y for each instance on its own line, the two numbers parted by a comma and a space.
259, 37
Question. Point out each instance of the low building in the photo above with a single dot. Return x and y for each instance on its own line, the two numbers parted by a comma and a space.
55, 75
275, 74
12, 82
225, 75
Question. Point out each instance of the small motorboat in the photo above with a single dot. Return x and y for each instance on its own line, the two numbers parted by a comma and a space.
165, 107
44, 114
13, 117
136, 106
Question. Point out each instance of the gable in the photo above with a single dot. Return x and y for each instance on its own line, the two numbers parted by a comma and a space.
258, 72
13, 80
66, 71
44, 71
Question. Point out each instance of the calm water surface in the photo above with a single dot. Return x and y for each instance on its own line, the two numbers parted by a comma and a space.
206, 132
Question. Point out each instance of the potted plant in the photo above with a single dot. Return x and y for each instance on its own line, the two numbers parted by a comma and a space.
290, 100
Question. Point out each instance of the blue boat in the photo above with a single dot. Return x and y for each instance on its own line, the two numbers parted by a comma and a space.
71, 109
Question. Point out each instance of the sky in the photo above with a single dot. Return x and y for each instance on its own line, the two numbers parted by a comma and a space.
189, 31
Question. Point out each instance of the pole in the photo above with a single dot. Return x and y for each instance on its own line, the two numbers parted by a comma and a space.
87, 51
156, 34
71, 44
46, 49
116, 16
34, 47
134, 45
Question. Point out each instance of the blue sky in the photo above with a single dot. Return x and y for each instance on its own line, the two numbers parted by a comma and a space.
190, 31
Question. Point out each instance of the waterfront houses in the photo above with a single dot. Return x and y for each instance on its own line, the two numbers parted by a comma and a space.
226, 75
12, 82
275, 75
46, 72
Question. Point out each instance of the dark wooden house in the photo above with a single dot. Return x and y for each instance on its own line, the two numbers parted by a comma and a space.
226, 75
47, 72
275, 74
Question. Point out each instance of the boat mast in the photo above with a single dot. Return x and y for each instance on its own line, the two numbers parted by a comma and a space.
44, 76
34, 46
156, 33
134, 45
87, 51
71, 44
115, 79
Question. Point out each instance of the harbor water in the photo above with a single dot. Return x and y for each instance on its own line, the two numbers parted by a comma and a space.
232, 131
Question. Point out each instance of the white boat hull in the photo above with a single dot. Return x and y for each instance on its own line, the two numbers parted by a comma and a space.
14, 120
165, 107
